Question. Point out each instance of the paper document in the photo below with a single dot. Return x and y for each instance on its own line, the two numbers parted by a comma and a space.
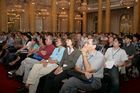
109, 64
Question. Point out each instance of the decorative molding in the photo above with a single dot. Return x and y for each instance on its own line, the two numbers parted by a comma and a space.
94, 7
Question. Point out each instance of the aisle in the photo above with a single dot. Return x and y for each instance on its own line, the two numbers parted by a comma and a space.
6, 85
10, 86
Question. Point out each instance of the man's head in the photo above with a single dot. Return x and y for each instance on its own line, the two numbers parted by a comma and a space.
90, 44
48, 40
128, 39
59, 42
118, 42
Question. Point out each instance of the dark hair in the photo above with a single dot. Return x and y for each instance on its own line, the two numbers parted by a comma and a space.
43, 40
73, 41
35, 39
120, 41
28, 36
129, 36
0, 47
62, 41
94, 41
37, 33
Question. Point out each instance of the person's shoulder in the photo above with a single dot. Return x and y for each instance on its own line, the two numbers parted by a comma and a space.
100, 54
122, 50
63, 48
132, 46
78, 50
110, 48
52, 46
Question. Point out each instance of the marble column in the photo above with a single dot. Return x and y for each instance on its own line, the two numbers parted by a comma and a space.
100, 16
3, 16
64, 25
107, 22
71, 16
26, 18
53, 16
32, 16
84, 18
136, 18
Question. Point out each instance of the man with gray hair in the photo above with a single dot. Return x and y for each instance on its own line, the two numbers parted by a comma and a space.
90, 64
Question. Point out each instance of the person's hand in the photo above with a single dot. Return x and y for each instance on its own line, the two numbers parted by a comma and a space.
84, 50
88, 75
18, 50
44, 62
58, 71
43, 52
53, 62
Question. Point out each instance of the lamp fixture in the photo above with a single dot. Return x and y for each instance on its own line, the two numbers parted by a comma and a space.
128, 3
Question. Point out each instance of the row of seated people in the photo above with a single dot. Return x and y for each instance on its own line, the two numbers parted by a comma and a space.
47, 65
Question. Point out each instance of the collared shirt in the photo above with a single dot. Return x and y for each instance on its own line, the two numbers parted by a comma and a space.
96, 60
119, 56
29, 45
10, 42
70, 50
49, 49
57, 54
35, 46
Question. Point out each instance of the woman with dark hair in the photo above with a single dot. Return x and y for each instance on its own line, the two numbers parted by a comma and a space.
115, 58
51, 83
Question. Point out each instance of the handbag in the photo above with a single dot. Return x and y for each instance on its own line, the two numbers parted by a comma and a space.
80, 76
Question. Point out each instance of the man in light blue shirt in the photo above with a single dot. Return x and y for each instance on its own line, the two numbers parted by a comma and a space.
90, 65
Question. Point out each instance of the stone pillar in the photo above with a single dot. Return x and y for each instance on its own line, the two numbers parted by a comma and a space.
3, 16
84, 18
100, 16
71, 16
64, 25
26, 18
136, 22
53, 16
32, 16
107, 16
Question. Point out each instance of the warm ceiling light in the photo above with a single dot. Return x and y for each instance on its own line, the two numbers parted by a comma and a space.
128, 3
33, 3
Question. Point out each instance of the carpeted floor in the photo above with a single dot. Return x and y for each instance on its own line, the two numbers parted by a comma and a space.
7, 85
132, 86
10, 86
